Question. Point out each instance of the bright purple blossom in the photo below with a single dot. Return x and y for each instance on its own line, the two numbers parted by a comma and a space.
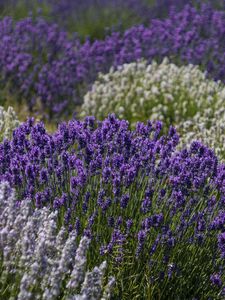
216, 280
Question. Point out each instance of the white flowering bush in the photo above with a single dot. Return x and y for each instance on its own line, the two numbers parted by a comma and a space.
138, 91
181, 96
209, 130
8, 122
38, 261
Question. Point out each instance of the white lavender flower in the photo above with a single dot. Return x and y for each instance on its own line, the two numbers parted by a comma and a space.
77, 275
138, 91
209, 130
92, 286
8, 122
61, 268
40, 261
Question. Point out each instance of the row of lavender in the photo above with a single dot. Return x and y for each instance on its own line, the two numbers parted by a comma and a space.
41, 64
95, 18
154, 213
139, 91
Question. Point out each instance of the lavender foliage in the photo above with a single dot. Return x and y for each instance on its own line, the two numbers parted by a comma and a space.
145, 205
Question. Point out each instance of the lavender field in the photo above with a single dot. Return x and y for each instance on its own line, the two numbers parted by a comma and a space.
112, 150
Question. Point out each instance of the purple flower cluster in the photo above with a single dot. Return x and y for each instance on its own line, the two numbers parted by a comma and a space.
45, 166
55, 167
26, 48
130, 192
41, 63
190, 36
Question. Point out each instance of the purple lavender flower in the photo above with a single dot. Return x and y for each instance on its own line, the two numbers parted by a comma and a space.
141, 239
129, 224
77, 225
219, 221
216, 280
221, 244
124, 200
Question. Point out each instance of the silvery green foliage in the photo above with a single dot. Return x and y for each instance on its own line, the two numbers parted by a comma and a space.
38, 261
8, 122
138, 91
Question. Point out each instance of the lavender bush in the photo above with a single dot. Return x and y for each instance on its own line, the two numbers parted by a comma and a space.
190, 36
154, 213
42, 64
38, 261
141, 91
182, 96
26, 47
